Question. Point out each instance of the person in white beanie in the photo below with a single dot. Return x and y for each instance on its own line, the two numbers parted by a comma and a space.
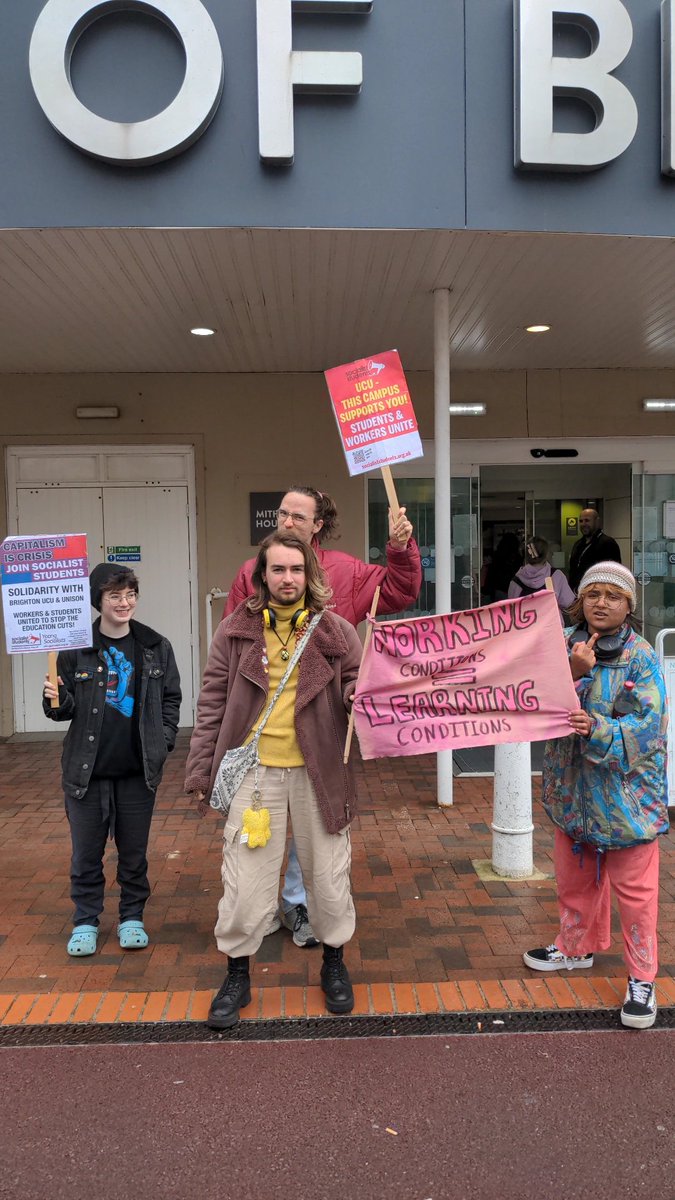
605, 789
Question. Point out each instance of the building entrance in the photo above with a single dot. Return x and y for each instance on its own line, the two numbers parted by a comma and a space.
518, 503
495, 511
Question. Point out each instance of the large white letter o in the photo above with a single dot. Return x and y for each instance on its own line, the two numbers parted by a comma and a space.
56, 33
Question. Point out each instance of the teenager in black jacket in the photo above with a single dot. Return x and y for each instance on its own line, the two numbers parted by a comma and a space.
122, 697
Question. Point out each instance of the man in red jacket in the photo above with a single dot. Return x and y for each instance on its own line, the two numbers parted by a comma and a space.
311, 516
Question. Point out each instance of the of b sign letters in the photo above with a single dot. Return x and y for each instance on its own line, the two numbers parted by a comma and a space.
281, 72
541, 77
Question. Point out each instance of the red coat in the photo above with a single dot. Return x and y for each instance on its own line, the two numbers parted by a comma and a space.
234, 694
354, 582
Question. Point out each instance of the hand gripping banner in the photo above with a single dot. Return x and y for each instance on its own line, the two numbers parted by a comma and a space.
473, 678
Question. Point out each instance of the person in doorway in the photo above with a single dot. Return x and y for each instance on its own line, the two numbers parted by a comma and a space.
605, 789
122, 698
301, 773
311, 516
506, 560
593, 546
532, 577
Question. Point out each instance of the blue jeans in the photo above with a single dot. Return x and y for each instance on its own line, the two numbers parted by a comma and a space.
293, 892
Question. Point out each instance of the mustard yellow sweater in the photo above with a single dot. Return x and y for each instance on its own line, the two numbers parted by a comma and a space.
278, 746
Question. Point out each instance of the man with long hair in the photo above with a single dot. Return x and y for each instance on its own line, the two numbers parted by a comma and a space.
301, 771
311, 516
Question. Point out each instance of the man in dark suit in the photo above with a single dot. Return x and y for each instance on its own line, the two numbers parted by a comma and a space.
593, 547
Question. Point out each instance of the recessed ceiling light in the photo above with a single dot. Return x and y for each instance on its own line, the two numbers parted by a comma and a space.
658, 405
537, 328
468, 410
202, 331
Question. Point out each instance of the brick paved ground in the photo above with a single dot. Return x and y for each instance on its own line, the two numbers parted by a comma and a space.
425, 920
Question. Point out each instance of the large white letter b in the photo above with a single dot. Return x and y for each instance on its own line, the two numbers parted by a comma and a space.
540, 77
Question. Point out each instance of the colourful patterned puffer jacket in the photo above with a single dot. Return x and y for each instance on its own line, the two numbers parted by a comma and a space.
611, 789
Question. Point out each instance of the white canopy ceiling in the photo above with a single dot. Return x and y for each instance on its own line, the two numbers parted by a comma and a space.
100, 300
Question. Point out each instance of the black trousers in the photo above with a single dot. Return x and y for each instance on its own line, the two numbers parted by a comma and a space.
121, 808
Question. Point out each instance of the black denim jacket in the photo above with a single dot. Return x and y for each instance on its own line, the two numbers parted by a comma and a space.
82, 702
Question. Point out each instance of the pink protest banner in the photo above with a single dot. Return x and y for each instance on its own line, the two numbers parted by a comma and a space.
474, 678
374, 412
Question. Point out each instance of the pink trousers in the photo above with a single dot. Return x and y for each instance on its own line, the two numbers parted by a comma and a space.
584, 880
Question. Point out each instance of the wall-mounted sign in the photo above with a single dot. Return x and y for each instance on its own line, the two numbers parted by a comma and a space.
263, 514
123, 554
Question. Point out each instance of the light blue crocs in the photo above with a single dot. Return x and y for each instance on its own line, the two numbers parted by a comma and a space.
132, 935
82, 941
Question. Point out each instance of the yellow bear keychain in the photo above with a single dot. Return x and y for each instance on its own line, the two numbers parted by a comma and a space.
255, 828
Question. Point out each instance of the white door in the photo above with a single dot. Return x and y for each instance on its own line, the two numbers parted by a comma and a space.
51, 510
156, 520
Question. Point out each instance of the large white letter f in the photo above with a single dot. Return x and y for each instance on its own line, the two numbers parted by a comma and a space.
283, 71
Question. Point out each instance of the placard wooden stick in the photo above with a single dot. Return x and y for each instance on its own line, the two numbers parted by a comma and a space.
390, 489
53, 677
366, 643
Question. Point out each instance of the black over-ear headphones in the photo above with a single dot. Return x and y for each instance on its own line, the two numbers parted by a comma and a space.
297, 620
608, 646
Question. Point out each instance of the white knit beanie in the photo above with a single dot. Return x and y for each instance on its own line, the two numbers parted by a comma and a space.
614, 573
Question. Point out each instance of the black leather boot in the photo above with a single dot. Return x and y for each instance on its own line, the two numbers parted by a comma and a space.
335, 981
233, 995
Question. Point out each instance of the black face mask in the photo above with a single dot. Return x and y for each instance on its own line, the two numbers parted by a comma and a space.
608, 646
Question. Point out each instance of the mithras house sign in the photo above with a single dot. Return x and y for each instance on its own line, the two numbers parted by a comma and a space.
540, 78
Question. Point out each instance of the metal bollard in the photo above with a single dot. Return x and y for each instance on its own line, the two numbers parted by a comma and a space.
512, 825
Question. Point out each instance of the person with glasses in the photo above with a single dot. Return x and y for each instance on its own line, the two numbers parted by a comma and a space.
605, 789
122, 697
311, 516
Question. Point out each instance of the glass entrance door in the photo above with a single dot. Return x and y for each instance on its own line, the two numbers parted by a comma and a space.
417, 496
654, 550
545, 500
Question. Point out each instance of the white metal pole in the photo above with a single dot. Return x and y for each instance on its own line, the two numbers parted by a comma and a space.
443, 495
512, 826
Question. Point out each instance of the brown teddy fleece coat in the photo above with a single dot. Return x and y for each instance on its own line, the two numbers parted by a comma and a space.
234, 695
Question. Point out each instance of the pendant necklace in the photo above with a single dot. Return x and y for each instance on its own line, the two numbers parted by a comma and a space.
284, 655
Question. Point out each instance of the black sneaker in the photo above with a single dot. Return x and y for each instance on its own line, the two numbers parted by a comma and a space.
639, 1006
297, 920
550, 958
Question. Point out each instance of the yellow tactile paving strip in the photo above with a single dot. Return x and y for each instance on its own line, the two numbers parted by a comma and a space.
377, 999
